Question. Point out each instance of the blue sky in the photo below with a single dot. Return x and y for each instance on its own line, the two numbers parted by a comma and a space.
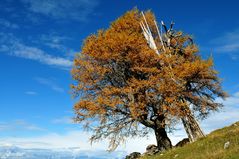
38, 41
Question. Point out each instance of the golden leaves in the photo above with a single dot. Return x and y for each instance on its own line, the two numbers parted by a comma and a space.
117, 70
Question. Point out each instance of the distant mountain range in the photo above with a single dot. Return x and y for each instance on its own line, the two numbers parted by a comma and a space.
13, 152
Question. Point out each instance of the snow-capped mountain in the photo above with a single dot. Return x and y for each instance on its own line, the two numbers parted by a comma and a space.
13, 152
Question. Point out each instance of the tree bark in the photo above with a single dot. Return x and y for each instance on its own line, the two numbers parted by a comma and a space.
192, 127
163, 142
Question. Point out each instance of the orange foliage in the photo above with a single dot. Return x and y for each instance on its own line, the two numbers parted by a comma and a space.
122, 81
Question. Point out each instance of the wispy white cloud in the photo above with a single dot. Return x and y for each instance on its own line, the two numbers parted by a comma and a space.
55, 140
31, 93
63, 120
57, 42
51, 83
8, 24
12, 46
54, 41
62, 9
4, 126
228, 48
227, 43
19, 125
33, 53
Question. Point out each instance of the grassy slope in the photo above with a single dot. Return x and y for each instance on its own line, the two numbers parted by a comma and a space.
210, 147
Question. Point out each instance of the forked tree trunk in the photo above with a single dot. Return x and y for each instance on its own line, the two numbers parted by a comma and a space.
192, 127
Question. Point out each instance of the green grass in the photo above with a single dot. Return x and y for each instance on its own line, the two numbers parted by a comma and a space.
210, 147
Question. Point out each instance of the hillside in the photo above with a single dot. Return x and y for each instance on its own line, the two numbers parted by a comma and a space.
210, 147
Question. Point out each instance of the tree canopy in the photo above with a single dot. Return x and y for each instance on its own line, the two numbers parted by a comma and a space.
125, 88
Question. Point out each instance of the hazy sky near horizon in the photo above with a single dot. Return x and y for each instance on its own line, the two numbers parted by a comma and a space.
38, 41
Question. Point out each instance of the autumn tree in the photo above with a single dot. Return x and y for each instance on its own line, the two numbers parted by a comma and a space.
125, 89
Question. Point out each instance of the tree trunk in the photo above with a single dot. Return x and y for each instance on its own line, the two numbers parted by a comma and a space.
192, 127
163, 142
